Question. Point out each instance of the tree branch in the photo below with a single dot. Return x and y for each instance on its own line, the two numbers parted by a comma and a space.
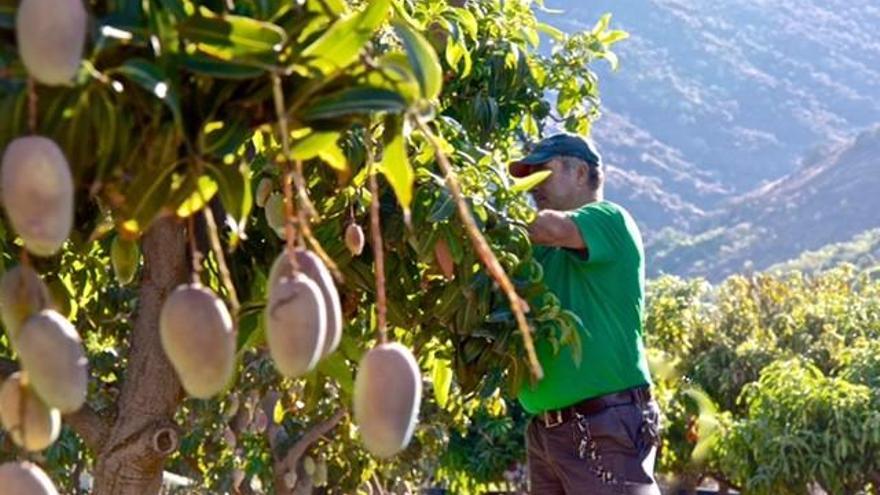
92, 427
289, 462
86, 422
311, 436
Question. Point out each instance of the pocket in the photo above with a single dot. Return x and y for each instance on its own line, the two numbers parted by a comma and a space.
617, 441
614, 431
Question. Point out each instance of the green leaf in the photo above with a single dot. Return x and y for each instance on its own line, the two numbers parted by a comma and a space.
312, 144
423, 60
396, 74
334, 156
522, 184
322, 145
232, 37
252, 328
207, 66
551, 31
467, 20
443, 209
397, 169
611, 57
205, 188
531, 36
442, 380
153, 79
175, 7
340, 45
224, 138
338, 7
612, 37
235, 195
358, 100
151, 186
602, 24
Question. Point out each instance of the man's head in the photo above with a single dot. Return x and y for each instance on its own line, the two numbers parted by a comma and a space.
576, 172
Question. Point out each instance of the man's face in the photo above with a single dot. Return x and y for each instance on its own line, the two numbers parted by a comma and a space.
561, 190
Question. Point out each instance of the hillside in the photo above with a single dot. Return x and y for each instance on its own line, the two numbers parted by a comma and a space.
828, 200
863, 251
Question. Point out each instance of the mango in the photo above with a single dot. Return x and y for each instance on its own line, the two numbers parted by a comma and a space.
264, 190
275, 213
51, 35
32, 425
52, 354
125, 255
37, 193
311, 265
295, 324
25, 478
387, 395
354, 239
22, 293
444, 259
196, 332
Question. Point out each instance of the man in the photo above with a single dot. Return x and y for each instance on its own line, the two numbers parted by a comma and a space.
595, 426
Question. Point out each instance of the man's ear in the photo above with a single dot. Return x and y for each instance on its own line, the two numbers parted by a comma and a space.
582, 175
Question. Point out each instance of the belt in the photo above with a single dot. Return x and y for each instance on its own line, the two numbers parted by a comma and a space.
638, 395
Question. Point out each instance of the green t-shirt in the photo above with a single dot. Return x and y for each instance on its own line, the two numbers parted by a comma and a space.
606, 290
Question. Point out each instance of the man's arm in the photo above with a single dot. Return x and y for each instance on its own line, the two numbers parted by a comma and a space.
556, 229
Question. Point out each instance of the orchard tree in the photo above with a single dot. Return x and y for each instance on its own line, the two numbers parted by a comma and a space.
239, 237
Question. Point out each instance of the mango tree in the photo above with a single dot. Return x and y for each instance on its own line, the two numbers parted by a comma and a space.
246, 216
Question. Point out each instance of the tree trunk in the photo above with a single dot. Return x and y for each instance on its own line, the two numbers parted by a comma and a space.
132, 458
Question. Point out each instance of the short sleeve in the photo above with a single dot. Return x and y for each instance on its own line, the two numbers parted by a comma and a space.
600, 229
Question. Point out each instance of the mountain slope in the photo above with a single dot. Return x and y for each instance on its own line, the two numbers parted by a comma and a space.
830, 199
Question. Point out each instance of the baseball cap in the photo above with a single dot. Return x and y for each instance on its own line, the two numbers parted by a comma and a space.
562, 144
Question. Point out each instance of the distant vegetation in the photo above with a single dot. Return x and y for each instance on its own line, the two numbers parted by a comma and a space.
863, 251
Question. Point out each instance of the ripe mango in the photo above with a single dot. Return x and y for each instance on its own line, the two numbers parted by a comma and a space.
22, 293
311, 265
25, 478
197, 335
37, 193
295, 324
52, 354
387, 394
32, 425
51, 35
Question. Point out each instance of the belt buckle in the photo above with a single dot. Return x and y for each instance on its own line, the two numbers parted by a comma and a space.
549, 422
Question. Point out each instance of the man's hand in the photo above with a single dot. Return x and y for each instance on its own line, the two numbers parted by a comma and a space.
554, 228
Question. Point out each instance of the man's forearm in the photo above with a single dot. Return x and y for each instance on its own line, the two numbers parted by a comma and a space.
541, 232
554, 228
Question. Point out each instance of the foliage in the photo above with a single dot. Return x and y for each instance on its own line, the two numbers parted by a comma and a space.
863, 250
790, 362
803, 427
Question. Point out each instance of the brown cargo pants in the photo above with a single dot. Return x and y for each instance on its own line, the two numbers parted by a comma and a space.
609, 452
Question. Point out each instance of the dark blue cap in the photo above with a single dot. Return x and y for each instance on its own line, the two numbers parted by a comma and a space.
562, 144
